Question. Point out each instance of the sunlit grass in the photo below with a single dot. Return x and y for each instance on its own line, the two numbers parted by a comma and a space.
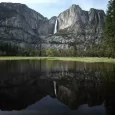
80, 59
85, 59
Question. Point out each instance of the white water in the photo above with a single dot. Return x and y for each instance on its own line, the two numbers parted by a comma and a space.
55, 29
55, 88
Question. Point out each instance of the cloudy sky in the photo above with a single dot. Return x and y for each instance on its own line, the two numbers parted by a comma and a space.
49, 8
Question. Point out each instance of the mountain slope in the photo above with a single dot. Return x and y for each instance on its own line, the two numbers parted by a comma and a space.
78, 28
22, 25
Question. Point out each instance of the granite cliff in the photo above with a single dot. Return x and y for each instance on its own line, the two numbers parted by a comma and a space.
22, 25
78, 28
74, 28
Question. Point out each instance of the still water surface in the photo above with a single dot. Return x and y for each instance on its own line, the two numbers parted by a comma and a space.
56, 88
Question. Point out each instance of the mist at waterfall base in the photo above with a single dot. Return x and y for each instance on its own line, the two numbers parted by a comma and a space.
48, 87
55, 27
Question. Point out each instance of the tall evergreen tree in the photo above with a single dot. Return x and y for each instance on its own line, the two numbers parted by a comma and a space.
110, 29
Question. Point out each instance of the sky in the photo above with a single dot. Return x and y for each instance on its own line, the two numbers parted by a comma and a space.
49, 8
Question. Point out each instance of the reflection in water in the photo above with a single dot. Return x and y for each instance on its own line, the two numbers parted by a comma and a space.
57, 87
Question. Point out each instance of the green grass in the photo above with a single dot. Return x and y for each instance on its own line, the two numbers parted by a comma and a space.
80, 59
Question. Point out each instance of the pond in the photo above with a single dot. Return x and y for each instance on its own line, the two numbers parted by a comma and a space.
48, 87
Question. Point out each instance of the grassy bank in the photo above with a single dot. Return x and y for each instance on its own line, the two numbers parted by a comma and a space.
80, 59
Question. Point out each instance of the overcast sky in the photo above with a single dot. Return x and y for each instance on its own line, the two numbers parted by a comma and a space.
49, 8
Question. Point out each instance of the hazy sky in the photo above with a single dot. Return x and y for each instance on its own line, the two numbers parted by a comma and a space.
49, 8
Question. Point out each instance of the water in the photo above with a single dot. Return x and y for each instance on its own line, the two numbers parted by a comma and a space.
55, 28
56, 88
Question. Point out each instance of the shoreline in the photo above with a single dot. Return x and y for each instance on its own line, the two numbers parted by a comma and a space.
79, 59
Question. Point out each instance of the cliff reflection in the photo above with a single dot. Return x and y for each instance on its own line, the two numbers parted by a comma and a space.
26, 82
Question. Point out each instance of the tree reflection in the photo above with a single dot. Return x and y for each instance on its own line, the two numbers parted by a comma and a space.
72, 83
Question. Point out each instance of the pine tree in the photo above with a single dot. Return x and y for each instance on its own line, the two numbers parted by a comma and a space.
110, 29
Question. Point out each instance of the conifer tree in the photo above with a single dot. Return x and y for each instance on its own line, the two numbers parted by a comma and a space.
110, 29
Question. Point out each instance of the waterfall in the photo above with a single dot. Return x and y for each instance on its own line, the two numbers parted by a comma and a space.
55, 28
55, 88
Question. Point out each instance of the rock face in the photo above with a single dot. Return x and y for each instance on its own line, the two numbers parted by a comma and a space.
80, 19
81, 28
27, 28
22, 25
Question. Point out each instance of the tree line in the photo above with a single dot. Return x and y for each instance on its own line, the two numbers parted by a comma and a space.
8, 49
